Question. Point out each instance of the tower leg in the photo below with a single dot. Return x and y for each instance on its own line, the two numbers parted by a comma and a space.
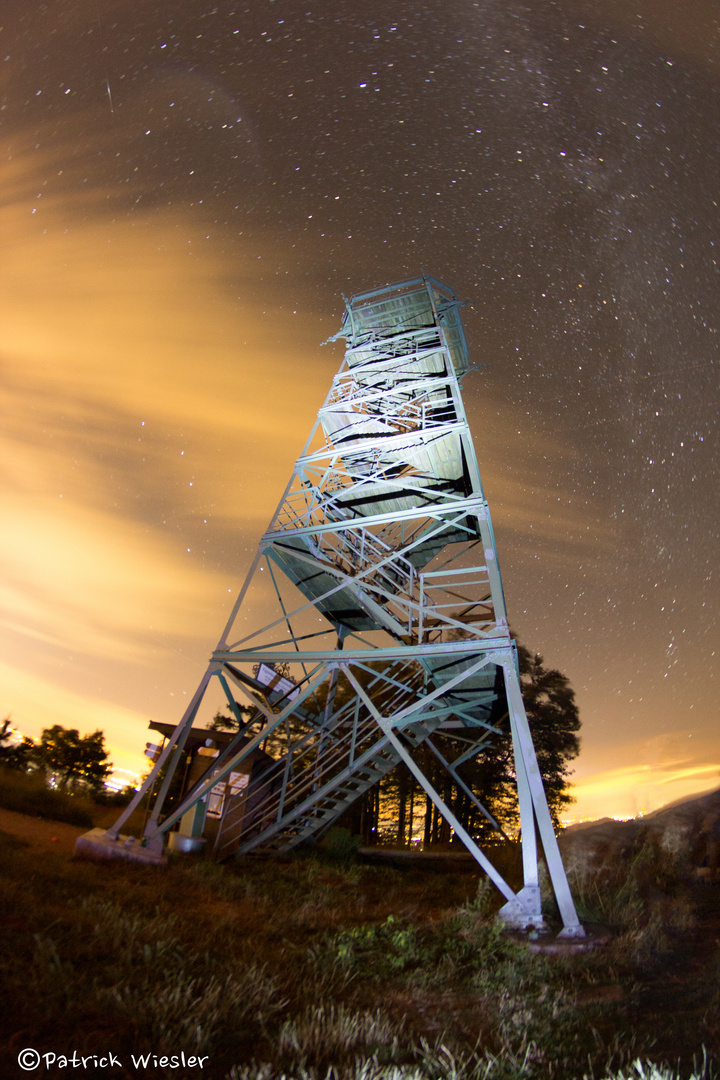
525, 910
385, 726
530, 789
176, 740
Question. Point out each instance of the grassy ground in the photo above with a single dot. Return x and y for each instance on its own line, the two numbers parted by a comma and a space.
28, 793
313, 968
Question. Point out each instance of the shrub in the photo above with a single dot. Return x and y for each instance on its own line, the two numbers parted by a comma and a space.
29, 794
339, 844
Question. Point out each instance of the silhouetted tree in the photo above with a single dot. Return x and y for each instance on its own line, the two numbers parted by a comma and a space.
73, 759
398, 807
14, 755
227, 721
554, 722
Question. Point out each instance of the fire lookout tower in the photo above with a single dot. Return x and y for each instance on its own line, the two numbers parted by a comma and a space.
387, 610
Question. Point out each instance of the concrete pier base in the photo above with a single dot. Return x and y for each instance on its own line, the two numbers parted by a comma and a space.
97, 844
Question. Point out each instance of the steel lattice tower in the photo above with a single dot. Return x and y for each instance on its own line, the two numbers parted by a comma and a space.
388, 610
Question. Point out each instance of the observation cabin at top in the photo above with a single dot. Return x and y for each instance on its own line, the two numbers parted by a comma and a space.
380, 577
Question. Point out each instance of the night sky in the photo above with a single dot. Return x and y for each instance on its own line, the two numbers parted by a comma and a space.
188, 189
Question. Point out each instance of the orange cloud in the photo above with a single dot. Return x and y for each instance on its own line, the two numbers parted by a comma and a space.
83, 579
517, 461
34, 696
146, 443
638, 789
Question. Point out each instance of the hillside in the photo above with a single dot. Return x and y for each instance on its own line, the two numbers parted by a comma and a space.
689, 828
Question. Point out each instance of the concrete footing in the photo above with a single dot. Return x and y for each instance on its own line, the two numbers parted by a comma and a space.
549, 943
97, 844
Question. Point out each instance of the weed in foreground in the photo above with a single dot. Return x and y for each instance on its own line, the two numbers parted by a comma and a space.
284, 959
328, 1033
171, 1009
646, 1070
424, 1062
220, 880
134, 967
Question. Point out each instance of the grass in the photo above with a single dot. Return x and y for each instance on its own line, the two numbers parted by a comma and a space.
643, 898
28, 793
321, 968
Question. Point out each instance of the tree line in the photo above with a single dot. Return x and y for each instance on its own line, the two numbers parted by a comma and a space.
73, 762
484, 798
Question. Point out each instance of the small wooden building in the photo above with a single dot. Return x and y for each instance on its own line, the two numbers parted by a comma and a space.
203, 747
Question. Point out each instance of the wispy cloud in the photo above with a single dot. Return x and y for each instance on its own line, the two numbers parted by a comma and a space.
146, 443
530, 478
80, 578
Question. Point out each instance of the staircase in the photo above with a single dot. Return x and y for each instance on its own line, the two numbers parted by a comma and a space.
307, 789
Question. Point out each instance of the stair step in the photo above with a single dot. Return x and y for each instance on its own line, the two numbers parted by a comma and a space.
321, 806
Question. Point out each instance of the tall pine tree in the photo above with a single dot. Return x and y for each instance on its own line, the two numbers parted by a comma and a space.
400, 811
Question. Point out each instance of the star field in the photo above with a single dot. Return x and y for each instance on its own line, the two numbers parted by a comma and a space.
201, 183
